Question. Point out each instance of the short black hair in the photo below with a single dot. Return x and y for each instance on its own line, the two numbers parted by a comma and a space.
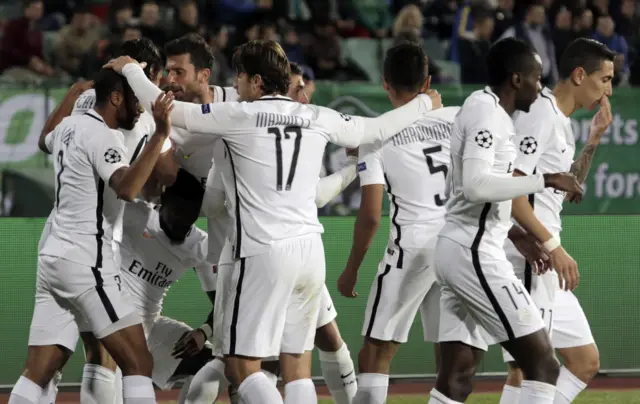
506, 57
406, 67
586, 53
197, 48
142, 50
296, 70
186, 187
106, 82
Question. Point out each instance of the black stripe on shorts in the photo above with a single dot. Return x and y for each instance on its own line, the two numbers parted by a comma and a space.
236, 309
376, 300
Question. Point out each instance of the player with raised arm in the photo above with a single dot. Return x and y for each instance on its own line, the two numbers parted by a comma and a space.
546, 143
413, 166
78, 274
275, 149
482, 301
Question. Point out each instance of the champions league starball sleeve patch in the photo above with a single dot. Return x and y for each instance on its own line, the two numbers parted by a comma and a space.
206, 108
361, 166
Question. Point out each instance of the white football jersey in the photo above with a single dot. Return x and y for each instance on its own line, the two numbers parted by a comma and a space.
87, 214
545, 144
413, 165
275, 148
151, 263
481, 130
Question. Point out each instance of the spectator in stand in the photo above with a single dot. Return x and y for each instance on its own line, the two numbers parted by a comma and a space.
599, 8
292, 46
121, 16
535, 31
409, 19
268, 31
440, 17
21, 57
504, 17
375, 16
583, 22
187, 22
150, 24
218, 40
474, 48
323, 50
563, 32
131, 31
627, 21
605, 33
75, 40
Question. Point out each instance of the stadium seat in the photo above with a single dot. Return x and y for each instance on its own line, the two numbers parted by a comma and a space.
366, 53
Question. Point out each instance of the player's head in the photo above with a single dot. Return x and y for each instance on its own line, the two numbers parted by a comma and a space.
189, 63
143, 50
296, 84
405, 72
180, 206
115, 96
262, 68
515, 67
588, 66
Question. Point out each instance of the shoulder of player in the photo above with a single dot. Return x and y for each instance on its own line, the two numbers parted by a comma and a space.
440, 115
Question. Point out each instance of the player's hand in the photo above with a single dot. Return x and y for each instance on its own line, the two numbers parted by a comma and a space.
436, 98
601, 121
190, 344
566, 182
161, 110
119, 63
566, 267
347, 283
81, 86
533, 252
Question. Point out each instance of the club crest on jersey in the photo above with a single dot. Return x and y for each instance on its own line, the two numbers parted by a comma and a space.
362, 166
206, 108
112, 156
528, 145
484, 139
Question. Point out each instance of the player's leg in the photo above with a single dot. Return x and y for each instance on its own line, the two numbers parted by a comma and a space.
335, 359
53, 336
305, 258
254, 318
99, 379
575, 344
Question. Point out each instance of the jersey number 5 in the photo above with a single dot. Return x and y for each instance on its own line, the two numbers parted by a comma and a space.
288, 131
433, 169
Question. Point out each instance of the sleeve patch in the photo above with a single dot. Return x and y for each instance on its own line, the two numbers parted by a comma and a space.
112, 156
206, 108
528, 145
362, 166
484, 139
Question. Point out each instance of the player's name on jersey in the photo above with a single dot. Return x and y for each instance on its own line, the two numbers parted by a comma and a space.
267, 119
157, 278
415, 134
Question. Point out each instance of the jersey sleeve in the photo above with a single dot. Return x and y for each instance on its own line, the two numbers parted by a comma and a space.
48, 140
211, 119
107, 153
481, 133
207, 271
531, 140
370, 168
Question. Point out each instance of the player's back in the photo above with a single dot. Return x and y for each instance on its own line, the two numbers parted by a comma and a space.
275, 148
86, 211
481, 130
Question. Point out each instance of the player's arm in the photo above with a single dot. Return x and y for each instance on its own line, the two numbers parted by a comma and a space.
330, 186
208, 275
352, 131
127, 182
63, 110
368, 219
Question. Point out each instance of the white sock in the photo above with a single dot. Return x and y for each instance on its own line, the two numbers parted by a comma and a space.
510, 394
138, 390
568, 387
300, 391
533, 392
182, 397
339, 374
435, 397
257, 389
272, 378
207, 384
50, 392
119, 398
372, 388
25, 391
98, 385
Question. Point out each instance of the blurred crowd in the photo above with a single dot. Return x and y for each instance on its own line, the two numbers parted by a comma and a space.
64, 39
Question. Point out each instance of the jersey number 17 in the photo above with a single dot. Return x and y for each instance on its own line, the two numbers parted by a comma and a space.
288, 132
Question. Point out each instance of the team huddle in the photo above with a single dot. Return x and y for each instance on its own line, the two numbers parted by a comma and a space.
476, 193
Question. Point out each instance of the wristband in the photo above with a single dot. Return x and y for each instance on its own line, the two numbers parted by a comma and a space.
551, 244
208, 331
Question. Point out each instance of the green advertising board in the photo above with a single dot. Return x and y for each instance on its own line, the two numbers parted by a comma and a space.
605, 247
613, 185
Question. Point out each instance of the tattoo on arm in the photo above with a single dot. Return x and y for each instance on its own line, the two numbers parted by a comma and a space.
580, 167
